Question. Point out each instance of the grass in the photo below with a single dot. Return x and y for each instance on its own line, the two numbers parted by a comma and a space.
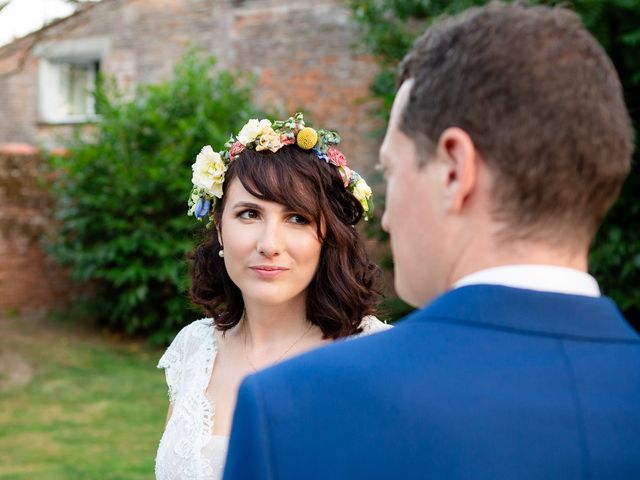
87, 408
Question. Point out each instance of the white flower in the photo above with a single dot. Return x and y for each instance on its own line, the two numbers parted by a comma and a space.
362, 192
252, 130
208, 172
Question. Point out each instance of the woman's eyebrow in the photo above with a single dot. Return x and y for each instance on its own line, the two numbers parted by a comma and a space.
254, 206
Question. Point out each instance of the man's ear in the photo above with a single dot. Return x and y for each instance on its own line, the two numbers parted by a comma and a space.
460, 161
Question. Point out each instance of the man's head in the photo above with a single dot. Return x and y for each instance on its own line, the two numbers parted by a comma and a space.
514, 118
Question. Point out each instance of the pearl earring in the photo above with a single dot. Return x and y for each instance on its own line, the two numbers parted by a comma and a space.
221, 253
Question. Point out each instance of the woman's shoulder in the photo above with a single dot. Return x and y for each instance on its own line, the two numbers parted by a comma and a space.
190, 346
190, 336
197, 329
371, 324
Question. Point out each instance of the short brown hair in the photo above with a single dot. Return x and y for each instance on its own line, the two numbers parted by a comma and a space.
346, 286
543, 105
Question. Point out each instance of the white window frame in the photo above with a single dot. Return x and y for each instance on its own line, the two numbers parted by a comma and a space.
53, 56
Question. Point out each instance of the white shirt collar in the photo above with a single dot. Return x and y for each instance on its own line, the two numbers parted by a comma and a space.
544, 278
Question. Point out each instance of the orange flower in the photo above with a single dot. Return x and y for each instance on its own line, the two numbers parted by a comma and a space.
269, 140
345, 173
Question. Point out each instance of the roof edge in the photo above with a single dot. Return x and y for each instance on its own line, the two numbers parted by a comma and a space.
82, 8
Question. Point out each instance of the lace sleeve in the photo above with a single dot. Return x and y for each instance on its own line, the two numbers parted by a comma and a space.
371, 324
172, 362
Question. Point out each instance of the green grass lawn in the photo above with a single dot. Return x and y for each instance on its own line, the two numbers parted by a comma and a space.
86, 408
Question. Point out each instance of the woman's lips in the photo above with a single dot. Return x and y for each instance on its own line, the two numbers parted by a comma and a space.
268, 271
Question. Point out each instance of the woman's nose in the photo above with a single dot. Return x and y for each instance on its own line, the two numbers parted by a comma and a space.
271, 241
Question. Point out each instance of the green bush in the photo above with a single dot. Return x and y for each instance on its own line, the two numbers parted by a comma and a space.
389, 28
122, 194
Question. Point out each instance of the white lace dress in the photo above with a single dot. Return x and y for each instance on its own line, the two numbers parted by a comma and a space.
188, 450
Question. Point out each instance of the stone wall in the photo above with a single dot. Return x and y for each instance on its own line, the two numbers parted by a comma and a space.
29, 279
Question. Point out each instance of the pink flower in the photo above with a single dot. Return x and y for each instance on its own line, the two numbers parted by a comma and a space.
286, 140
235, 150
345, 173
336, 157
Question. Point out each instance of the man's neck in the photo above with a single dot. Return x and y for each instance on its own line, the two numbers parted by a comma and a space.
497, 254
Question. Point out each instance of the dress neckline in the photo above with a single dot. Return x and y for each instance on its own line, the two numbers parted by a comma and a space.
209, 372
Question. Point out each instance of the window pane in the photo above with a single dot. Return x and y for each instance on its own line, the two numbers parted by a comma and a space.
76, 89
76, 81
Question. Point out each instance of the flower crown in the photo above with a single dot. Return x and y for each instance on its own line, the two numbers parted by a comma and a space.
210, 167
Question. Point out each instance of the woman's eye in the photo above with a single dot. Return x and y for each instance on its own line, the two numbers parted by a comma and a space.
248, 214
299, 220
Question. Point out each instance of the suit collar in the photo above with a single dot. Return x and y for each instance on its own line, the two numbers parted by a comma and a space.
542, 313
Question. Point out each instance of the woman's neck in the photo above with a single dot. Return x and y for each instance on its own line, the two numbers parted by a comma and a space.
264, 325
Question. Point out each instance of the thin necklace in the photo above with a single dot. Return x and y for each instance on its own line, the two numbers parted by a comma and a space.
253, 367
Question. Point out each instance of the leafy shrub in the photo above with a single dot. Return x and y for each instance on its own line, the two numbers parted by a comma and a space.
121, 195
389, 28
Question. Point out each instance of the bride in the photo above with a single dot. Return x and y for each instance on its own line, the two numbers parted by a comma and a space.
282, 271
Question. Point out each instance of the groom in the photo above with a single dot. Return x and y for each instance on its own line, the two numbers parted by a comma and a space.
508, 142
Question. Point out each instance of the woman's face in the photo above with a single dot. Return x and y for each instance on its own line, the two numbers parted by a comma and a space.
270, 252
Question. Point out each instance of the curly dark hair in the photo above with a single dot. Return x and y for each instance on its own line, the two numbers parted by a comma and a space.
346, 286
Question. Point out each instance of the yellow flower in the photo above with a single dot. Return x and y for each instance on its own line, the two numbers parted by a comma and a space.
269, 140
307, 138
208, 171
362, 192
252, 130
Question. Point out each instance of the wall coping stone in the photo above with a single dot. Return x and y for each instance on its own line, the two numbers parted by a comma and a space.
18, 149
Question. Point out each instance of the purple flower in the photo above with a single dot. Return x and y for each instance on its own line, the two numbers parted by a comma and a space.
202, 208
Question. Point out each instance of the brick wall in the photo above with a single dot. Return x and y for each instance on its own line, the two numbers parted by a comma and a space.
304, 53
29, 279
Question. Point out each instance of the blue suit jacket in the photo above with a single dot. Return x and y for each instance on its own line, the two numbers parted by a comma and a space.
486, 382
